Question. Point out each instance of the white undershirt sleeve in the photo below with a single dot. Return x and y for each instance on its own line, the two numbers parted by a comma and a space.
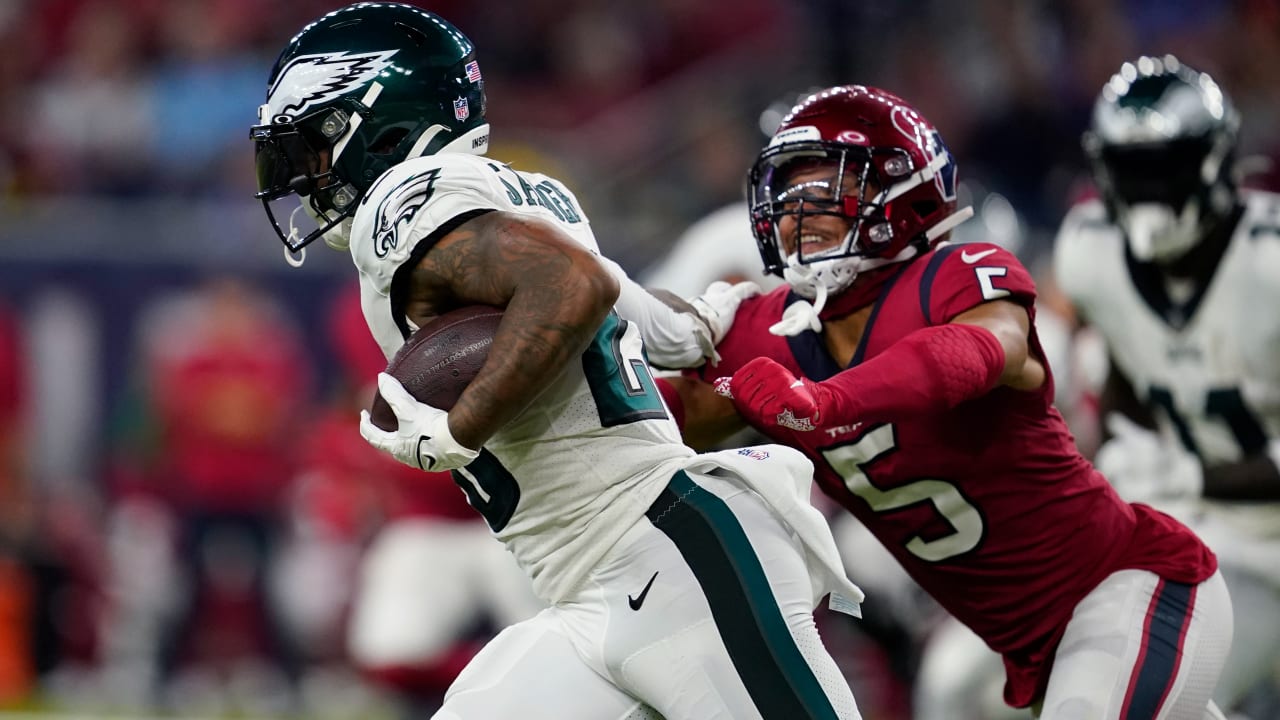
672, 339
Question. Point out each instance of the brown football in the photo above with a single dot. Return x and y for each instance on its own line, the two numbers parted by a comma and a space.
440, 359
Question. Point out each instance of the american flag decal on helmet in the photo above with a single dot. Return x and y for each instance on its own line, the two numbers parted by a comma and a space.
461, 110
473, 71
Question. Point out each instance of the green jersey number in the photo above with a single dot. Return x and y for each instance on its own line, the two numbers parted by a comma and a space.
623, 390
490, 489
618, 376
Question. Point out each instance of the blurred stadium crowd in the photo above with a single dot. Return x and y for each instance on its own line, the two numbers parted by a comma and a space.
184, 498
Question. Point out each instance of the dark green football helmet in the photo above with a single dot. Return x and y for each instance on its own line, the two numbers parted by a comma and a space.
1162, 144
355, 93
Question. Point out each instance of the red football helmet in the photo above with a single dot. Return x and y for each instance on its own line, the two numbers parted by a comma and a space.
903, 203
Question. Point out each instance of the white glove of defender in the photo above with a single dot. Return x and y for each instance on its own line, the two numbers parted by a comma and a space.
1142, 467
716, 308
422, 438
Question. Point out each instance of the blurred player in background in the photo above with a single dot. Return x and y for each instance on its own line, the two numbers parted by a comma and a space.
1179, 269
674, 589
910, 372
18, 529
227, 382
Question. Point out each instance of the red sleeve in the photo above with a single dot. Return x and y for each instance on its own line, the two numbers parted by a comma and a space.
11, 369
930, 370
961, 277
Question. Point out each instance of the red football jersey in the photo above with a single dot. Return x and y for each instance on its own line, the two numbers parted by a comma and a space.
989, 506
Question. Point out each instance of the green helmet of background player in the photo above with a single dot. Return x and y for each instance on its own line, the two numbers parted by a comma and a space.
1162, 142
355, 93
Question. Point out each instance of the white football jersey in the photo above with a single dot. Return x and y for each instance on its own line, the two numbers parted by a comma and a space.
1207, 361
562, 481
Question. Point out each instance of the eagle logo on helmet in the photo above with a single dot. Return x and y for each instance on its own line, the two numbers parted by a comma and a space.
311, 80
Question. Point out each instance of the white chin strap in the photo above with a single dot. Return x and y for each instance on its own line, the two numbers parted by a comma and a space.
1157, 234
818, 281
797, 318
801, 316
337, 237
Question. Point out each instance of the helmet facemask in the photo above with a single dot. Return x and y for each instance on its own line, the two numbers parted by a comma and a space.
891, 184
859, 187
293, 157
807, 182
1165, 195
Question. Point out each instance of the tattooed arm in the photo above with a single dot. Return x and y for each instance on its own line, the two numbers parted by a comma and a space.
556, 295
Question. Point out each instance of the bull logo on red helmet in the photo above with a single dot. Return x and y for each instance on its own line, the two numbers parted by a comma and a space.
922, 135
945, 179
906, 121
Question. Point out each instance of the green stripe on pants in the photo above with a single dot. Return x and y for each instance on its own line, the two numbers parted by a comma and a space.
760, 644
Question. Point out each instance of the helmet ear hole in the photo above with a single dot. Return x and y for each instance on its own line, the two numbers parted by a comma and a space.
387, 141
924, 208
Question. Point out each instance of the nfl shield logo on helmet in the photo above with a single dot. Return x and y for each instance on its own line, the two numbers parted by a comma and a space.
473, 71
461, 110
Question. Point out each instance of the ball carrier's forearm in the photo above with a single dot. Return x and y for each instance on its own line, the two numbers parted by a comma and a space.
541, 333
556, 296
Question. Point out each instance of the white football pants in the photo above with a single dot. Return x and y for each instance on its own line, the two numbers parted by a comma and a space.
1135, 648
1139, 647
703, 610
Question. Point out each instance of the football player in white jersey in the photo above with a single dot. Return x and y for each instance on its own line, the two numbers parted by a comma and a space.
679, 585
1179, 270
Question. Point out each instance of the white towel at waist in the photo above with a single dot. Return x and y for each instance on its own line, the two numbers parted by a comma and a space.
783, 477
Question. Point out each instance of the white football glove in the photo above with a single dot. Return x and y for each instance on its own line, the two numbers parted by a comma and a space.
1144, 468
716, 308
422, 438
